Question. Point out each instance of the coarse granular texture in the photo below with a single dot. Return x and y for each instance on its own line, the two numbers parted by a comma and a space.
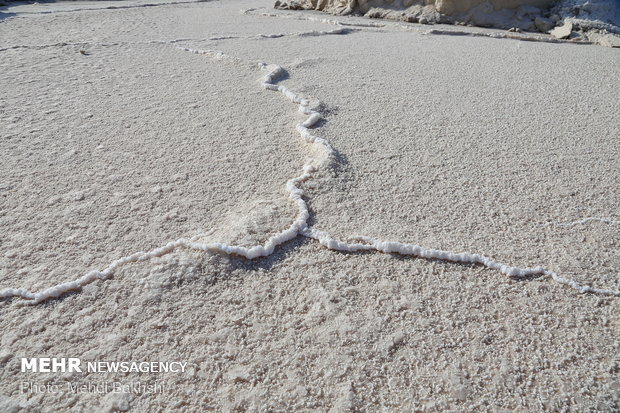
462, 144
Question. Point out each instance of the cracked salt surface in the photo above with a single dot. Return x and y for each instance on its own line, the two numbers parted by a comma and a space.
300, 227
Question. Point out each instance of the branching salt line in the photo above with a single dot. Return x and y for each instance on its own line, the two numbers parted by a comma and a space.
581, 221
300, 225
60, 44
344, 30
127, 6
391, 247
496, 35
213, 54
295, 194
409, 27
173, 41
323, 20
102, 44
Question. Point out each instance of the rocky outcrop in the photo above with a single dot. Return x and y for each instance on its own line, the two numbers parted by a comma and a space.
455, 7
597, 21
497, 13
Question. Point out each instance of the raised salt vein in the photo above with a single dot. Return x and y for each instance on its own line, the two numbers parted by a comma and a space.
299, 225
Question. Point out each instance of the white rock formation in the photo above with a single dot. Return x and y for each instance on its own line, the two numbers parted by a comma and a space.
597, 21
498, 13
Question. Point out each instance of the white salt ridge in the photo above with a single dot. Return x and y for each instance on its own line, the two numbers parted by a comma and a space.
173, 41
127, 6
295, 194
299, 226
323, 20
391, 247
581, 221
529, 37
323, 33
513, 36
278, 35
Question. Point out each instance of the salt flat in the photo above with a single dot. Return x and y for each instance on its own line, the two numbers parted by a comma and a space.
116, 140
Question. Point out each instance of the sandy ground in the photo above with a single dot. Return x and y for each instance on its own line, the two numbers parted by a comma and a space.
492, 146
